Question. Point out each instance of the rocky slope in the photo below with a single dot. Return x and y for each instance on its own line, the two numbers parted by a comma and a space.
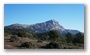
44, 27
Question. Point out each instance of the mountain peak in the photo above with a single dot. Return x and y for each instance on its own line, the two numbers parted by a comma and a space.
52, 20
41, 27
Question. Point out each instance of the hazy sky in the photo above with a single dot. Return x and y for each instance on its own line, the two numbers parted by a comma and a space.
70, 16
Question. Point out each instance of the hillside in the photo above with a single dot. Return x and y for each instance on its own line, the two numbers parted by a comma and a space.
45, 35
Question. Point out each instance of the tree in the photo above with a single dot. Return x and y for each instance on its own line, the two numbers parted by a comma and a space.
79, 38
54, 36
69, 37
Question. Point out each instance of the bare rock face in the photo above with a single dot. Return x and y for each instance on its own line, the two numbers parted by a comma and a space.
47, 26
44, 27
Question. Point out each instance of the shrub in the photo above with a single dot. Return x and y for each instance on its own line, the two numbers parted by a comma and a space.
64, 47
39, 41
44, 38
21, 34
14, 39
27, 45
52, 45
6, 34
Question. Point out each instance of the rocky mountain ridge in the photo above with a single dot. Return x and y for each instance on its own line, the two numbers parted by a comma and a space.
44, 27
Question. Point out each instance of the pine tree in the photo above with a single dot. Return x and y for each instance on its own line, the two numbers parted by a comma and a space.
69, 37
54, 36
79, 38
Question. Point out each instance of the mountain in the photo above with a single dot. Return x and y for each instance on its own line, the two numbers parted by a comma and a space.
47, 26
44, 27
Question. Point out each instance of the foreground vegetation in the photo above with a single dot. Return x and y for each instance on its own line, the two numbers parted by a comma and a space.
19, 39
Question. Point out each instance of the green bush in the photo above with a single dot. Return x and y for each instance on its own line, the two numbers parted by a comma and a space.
64, 47
27, 45
39, 41
22, 34
52, 45
14, 39
44, 38
6, 34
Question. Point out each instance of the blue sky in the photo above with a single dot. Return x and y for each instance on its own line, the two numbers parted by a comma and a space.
70, 16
